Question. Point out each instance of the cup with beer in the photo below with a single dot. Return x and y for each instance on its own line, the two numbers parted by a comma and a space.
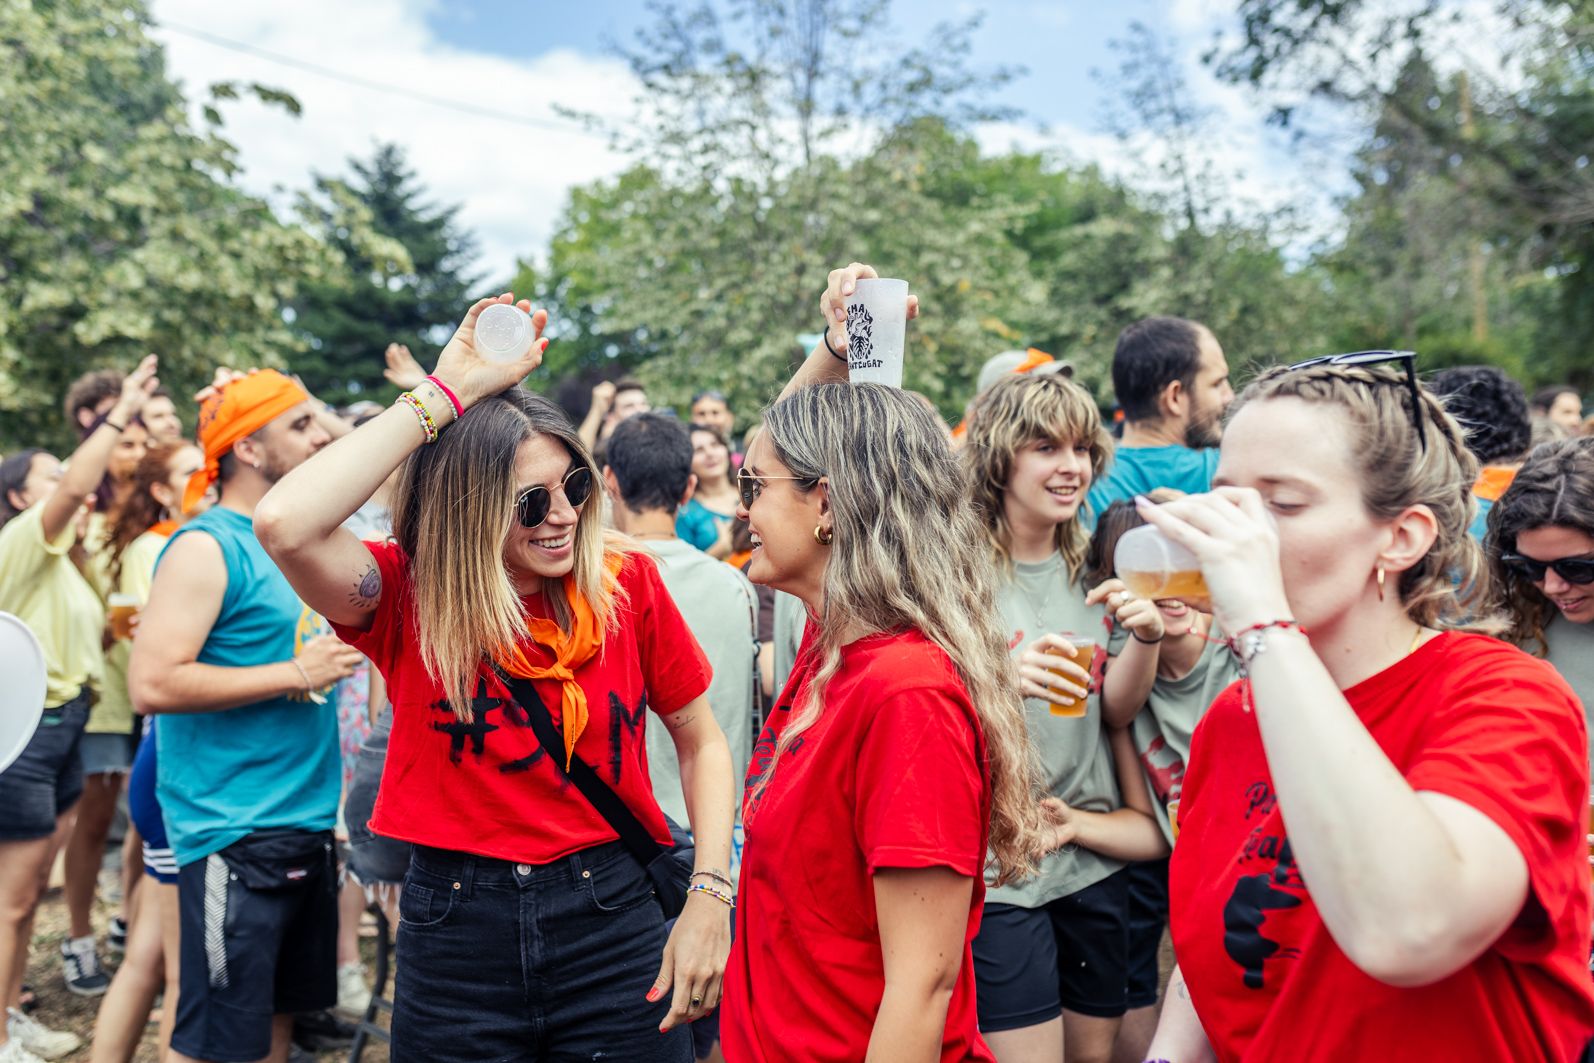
1080, 649
120, 611
1154, 566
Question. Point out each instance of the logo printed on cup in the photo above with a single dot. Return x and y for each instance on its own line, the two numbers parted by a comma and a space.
860, 338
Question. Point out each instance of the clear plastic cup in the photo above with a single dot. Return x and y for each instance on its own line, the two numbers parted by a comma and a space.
119, 613
1082, 651
1154, 566
877, 328
503, 333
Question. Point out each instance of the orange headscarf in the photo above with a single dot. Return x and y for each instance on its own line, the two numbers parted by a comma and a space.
1492, 482
237, 409
570, 651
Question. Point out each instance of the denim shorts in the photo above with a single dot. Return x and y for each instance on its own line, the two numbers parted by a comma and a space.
525, 962
106, 754
47, 778
373, 859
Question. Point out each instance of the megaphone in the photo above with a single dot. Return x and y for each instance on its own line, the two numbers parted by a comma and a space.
22, 693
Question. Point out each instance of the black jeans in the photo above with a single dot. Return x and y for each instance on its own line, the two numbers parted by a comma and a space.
546, 963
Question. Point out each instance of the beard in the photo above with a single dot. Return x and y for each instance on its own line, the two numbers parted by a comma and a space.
1204, 430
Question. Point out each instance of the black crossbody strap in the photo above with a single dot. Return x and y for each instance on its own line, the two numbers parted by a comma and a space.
609, 805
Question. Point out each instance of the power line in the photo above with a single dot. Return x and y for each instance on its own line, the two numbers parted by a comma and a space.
365, 83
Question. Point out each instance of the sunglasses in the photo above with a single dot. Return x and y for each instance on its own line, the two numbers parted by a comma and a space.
749, 487
1578, 570
1408, 360
532, 507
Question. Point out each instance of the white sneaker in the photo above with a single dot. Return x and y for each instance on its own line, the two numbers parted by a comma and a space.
36, 1040
354, 997
13, 1052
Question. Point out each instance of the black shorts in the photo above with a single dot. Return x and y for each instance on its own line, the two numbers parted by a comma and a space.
46, 779
1073, 953
1148, 917
259, 926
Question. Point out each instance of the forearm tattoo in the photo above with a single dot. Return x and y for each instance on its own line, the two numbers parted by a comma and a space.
367, 590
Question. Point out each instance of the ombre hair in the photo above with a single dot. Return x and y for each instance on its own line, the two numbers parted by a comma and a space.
1449, 586
453, 511
1015, 412
1553, 489
908, 554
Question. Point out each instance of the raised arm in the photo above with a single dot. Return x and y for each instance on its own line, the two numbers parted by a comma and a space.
1130, 675
299, 522
86, 467
822, 367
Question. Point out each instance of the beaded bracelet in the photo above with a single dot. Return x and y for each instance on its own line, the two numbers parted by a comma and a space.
719, 895
428, 425
453, 399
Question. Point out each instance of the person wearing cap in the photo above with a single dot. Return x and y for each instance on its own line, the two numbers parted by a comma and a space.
1172, 383
248, 775
1008, 363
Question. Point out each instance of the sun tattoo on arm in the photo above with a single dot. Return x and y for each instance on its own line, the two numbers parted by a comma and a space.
366, 592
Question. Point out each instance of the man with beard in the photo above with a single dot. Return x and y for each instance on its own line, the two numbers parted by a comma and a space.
1172, 383
249, 768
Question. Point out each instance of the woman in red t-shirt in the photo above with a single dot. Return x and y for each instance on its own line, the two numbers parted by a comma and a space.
896, 754
1380, 850
526, 930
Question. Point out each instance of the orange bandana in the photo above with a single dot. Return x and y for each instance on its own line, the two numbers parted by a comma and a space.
244, 406
1492, 482
570, 650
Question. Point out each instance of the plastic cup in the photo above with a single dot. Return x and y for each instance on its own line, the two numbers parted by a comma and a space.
1082, 651
1154, 566
503, 333
120, 611
877, 328
1173, 817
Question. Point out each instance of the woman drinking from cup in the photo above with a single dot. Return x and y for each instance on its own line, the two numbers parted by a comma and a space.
1429, 896
526, 930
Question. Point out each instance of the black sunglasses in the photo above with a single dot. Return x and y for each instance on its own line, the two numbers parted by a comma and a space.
1408, 360
749, 487
531, 508
1578, 570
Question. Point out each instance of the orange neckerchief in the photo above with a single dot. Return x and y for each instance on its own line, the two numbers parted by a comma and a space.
570, 650
1492, 482
164, 529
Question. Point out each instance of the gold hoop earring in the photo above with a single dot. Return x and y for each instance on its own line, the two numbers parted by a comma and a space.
823, 536
1380, 582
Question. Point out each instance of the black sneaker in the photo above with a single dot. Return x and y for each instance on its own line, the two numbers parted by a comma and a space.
116, 936
321, 1031
81, 970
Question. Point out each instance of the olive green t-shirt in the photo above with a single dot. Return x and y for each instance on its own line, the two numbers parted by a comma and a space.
1570, 647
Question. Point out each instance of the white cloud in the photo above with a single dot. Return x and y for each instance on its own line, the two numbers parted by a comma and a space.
511, 180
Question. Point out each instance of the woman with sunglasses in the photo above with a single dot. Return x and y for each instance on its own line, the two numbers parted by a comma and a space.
1541, 547
1381, 828
526, 930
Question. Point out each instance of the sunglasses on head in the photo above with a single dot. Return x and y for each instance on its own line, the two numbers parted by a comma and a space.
1408, 360
1579, 570
532, 507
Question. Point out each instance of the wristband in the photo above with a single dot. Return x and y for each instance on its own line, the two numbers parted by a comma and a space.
453, 399
309, 691
1147, 642
108, 423
825, 335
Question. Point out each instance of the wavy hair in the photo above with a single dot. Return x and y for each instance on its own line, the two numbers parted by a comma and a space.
1450, 586
139, 511
908, 553
1017, 411
1554, 488
453, 508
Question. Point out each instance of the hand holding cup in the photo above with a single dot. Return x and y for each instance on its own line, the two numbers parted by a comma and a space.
1047, 670
470, 374
1138, 616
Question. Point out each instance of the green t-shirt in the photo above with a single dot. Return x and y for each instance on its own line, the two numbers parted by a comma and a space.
1076, 760
1570, 647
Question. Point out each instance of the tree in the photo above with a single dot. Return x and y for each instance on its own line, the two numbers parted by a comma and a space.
404, 279
121, 231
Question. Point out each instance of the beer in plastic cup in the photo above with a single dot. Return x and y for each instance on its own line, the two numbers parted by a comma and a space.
877, 327
1154, 566
1173, 816
503, 333
1082, 651
121, 609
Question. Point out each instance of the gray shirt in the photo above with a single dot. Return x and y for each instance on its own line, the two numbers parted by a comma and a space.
1076, 761
791, 619
721, 610
1570, 647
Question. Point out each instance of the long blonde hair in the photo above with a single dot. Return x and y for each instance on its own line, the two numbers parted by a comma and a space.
453, 509
908, 554
1450, 586
1016, 411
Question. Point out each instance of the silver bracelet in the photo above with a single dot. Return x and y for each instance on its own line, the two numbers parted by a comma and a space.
309, 691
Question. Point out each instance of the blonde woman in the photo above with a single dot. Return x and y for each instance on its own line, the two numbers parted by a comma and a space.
527, 931
895, 757
1053, 952
1381, 849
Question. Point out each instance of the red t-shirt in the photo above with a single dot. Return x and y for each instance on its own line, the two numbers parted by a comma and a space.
891, 776
1465, 716
488, 787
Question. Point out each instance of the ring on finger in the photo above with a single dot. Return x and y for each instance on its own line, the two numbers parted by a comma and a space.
697, 1002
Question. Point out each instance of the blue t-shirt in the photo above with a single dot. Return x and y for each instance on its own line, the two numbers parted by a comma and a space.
1141, 470
699, 525
274, 764
1480, 523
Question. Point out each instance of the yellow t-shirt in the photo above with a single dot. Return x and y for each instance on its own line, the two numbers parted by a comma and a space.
114, 713
43, 588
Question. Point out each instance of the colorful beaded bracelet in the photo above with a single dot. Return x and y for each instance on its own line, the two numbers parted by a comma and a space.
719, 895
428, 425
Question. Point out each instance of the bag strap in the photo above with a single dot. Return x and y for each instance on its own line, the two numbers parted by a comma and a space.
633, 835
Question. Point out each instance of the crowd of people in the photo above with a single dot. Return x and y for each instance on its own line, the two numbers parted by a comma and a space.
841, 739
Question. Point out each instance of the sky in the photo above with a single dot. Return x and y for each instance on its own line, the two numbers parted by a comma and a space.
468, 88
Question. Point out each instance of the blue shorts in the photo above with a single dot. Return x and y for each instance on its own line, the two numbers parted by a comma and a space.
160, 863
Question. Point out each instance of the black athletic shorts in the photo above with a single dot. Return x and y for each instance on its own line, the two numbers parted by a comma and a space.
259, 927
1073, 953
1148, 917
46, 779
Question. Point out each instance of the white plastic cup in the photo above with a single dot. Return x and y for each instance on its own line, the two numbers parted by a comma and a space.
1154, 566
877, 328
503, 333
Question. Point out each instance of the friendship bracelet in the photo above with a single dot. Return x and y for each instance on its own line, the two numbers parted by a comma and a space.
833, 352
1247, 643
453, 399
428, 425
716, 876
719, 895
